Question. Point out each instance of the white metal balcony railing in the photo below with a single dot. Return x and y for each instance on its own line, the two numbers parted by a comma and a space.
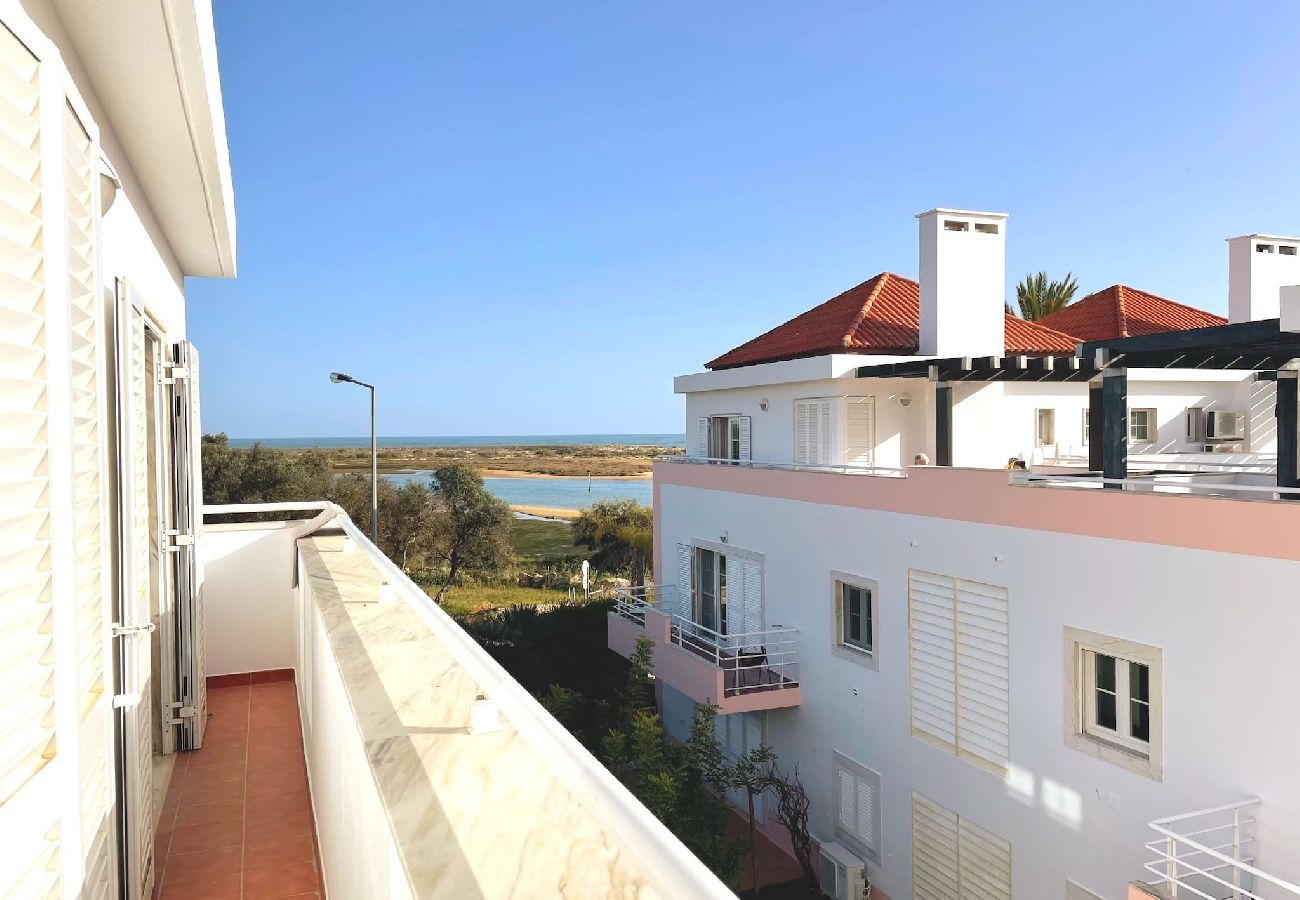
750, 661
1209, 853
839, 469
1160, 484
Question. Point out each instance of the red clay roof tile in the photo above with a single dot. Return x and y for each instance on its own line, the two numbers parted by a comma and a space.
879, 316
1122, 311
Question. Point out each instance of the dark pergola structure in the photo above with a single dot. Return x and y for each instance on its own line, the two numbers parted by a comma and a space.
1261, 347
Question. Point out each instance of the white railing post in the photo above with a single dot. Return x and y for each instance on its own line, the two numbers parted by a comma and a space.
1236, 854
1171, 865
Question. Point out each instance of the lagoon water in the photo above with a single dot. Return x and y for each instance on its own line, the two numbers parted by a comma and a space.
564, 493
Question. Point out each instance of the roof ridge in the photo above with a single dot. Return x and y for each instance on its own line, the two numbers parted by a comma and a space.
1121, 313
881, 280
1187, 306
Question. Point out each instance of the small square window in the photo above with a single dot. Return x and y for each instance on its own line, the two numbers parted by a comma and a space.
854, 617
1114, 698
1142, 425
1044, 427
1086, 429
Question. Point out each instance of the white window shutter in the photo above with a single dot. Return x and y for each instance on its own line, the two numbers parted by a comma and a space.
936, 873
814, 450
191, 689
931, 642
751, 577
848, 811
685, 582
801, 414
30, 785
983, 674
860, 420
825, 446
865, 826
744, 427
702, 446
985, 863
135, 528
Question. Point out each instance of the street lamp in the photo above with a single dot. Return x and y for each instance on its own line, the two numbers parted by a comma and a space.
337, 378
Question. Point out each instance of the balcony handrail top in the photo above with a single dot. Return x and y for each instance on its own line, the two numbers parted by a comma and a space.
833, 468
1060, 479
735, 635
1161, 826
678, 872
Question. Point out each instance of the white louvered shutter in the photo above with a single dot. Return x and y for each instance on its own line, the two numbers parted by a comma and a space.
858, 797
847, 815
801, 414
983, 675
29, 783
813, 454
134, 383
743, 427
931, 613
89, 460
188, 576
936, 867
860, 439
685, 585
751, 577
985, 863
702, 444
825, 446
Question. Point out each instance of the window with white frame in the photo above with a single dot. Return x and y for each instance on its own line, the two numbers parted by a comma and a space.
853, 617
1085, 430
1141, 425
857, 806
1115, 700
1044, 427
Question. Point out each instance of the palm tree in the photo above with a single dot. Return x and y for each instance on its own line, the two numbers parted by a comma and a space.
1039, 297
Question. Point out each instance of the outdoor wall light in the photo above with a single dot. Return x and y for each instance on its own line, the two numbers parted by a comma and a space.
905, 399
109, 185
762, 404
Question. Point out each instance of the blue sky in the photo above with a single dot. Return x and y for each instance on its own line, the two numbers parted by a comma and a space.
521, 217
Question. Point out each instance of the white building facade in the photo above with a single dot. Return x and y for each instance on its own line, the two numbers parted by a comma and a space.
991, 683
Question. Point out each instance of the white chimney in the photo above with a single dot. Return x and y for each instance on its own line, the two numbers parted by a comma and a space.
963, 283
1258, 267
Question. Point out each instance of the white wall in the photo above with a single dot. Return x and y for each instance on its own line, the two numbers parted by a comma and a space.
250, 599
1225, 623
992, 422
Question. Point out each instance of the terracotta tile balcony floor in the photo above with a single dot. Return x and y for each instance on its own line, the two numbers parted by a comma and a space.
237, 821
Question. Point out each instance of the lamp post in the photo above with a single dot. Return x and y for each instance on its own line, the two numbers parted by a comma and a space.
339, 377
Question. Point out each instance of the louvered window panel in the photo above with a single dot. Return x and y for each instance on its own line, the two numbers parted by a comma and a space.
936, 873
932, 605
26, 625
983, 682
812, 432
955, 859
858, 799
960, 680
860, 426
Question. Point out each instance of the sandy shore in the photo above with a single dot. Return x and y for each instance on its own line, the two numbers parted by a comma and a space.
506, 473
546, 512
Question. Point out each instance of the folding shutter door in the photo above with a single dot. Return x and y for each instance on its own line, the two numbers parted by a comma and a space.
702, 445
685, 566
134, 381
983, 676
860, 421
936, 873
29, 771
825, 447
88, 405
931, 612
801, 413
743, 427
191, 689
751, 606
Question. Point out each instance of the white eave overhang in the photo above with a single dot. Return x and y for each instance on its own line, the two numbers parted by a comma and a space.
790, 371
153, 64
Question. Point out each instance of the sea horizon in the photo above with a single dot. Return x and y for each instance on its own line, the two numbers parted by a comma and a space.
648, 439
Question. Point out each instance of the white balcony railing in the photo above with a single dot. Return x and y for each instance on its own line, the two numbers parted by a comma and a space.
1200, 484
1210, 853
631, 602
750, 661
839, 469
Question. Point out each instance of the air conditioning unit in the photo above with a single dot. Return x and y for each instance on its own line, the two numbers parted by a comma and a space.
841, 875
1224, 426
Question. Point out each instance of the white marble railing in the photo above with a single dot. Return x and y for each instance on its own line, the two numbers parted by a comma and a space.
433, 772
